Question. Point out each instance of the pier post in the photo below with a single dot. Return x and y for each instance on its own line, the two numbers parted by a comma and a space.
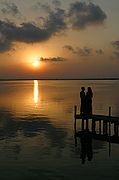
115, 129
86, 123
109, 131
82, 124
100, 127
109, 120
104, 127
93, 125
75, 110
75, 137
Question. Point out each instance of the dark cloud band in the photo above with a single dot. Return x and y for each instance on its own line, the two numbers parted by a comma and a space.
86, 51
82, 15
79, 51
30, 33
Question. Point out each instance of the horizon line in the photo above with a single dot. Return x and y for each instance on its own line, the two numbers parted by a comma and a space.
14, 79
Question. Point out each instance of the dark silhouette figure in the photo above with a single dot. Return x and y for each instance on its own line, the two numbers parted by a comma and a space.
89, 96
83, 101
86, 145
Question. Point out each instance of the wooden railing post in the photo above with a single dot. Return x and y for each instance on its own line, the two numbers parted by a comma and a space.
100, 127
93, 125
75, 110
109, 120
109, 130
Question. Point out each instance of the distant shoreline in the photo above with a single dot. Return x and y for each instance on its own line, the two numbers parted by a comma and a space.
19, 79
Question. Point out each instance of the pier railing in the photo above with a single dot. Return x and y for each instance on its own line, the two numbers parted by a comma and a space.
103, 127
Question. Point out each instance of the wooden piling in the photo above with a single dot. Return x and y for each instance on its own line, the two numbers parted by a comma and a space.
109, 131
86, 123
93, 125
109, 120
82, 124
115, 129
99, 127
105, 127
75, 111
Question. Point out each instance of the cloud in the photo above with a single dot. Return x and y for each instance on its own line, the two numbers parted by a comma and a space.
69, 48
42, 6
99, 51
30, 33
79, 15
56, 21
85, 51
26, 32
53, 59
115, 44
4, 42
83, 14
56, 3
10, 9
79, 51
116, 53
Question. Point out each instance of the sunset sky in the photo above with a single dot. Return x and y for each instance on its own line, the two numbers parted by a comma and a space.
59, 39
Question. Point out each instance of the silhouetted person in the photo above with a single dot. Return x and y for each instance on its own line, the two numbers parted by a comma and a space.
89, 96
83, 101
86, 146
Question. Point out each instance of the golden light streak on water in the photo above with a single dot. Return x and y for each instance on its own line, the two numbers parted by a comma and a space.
36, 92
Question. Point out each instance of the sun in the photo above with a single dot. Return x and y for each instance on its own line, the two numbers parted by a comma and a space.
36, 63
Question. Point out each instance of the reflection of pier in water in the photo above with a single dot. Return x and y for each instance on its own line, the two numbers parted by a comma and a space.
102, 127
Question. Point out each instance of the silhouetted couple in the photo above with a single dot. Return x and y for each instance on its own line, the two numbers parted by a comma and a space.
86, 101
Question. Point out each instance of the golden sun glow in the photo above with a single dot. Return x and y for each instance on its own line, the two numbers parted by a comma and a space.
36, 63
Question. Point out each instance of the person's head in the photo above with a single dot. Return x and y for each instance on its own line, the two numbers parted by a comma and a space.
83, 88
89, 89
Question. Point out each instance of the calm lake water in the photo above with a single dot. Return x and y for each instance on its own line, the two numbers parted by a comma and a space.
37, 136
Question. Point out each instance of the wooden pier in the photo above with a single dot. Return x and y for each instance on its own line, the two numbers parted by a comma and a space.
102, 127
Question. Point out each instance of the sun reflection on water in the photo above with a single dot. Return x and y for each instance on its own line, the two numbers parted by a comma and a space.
36, 93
